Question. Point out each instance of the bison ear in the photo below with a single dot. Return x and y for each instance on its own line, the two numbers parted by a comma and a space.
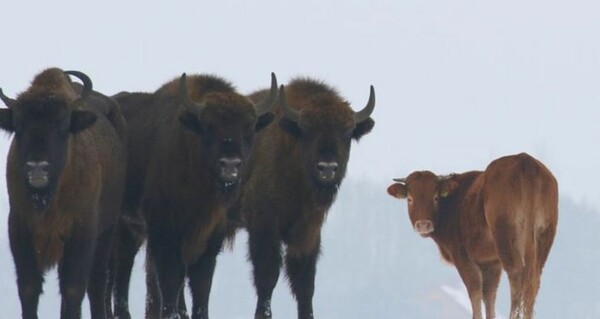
291, 127
447, 187
190, 121
397, 190
80, 120
363, 128
263, 121
6, 120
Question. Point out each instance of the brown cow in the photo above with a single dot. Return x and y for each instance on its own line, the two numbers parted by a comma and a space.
65, 182
294, 173
483, 222
188, 153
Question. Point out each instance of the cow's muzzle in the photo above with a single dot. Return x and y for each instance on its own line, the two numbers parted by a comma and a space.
37, 174
424, 227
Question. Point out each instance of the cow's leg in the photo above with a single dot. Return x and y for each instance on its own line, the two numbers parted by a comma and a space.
129, 238
509, 243
29, 278
490, 273
98, 294
164, 248
301, 271
201, 276
265, 254
74, 270
471, 276
543, 242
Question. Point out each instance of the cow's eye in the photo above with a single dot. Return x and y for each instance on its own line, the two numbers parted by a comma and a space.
436, 198
409, 200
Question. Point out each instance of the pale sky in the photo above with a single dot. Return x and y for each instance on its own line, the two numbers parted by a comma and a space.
458, 83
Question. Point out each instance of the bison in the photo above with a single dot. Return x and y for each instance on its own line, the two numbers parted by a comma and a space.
294, 174
502, 218
188, 152
64, 175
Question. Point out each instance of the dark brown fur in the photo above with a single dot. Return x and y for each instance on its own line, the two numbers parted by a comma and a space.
502, 218
75, 228
281, 202
172, 180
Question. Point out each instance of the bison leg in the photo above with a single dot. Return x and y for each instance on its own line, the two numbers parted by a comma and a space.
127, 244
74, 270
265, 254
29, 278
170, 271
491, 273
98, 293
201, 276
471, 276
301, 272
153, 297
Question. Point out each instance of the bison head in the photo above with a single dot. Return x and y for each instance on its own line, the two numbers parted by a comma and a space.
42, 124
423, 191
324, 126
226, 122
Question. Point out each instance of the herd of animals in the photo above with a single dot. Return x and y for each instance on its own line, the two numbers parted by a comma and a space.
92, 177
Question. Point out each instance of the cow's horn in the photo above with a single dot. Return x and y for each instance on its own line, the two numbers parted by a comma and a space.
290, 113
87, 85
10, 103
266, 105
188, 104
367, 110
400, 180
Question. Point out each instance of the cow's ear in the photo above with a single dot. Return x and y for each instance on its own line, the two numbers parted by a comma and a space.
190, 121
263, 121
447, 187
291, 127
6, 120
80, 120
363, 128
397, 190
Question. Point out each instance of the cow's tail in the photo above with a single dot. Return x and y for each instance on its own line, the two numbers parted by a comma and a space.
531, 276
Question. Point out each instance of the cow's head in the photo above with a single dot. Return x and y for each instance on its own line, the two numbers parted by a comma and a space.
423, 192
324, 125
226, 122
43, 122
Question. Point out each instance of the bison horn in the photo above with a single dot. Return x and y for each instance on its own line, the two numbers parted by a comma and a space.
266, 105
87, 85
188, 104
10, 103
367, 110
290, 113
400, 180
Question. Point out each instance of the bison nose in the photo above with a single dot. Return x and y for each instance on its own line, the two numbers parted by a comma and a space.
327, 171
230, 168
37, 173
424, 227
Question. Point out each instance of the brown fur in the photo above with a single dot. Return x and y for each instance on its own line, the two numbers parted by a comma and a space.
172, 180
83, 209
280, 201
504, 216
